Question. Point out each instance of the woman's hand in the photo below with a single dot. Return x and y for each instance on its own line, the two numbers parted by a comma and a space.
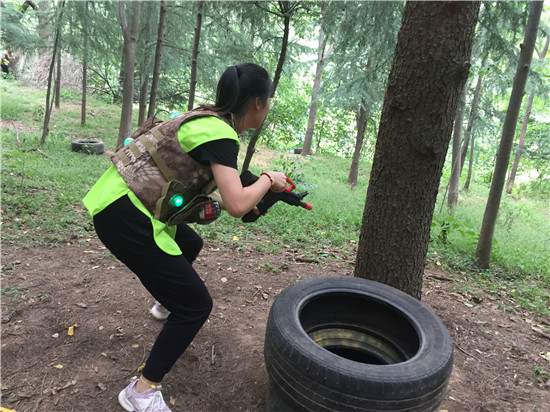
278, 181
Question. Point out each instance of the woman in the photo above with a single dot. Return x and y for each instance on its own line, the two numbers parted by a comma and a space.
161, 255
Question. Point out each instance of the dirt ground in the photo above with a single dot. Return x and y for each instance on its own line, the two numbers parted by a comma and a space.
48, 290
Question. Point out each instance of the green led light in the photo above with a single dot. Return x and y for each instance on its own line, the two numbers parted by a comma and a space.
176, 200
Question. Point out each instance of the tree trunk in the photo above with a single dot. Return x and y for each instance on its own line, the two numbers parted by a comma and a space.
84, 65
471, 121
361, 128
430, 66
158, 59
194, 57
57, 87
470, 163
454, 182
44, 23
523, 133
483, 250
282, 55
306, 149
144, 67
47, 114
130, 38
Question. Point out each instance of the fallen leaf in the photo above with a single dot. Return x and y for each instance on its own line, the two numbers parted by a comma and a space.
101, 386
172, 401
2, 409
545, 355
55, 335
235, 238
141, 367
70, 332
135, 345
224, 280
59, 366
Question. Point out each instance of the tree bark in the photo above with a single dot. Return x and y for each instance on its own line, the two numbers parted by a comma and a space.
470, 163
361, 128
144, 67
48, 111
57, 88
430, 66
484, 245
130, 38
471, 121
523, 133
194, 56
158, 59
306, 149
287, 12
84, 65
454, 182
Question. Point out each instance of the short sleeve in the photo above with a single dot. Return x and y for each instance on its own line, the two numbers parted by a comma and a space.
222, 151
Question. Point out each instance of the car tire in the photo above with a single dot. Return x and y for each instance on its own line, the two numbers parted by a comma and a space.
351, 344
88, 146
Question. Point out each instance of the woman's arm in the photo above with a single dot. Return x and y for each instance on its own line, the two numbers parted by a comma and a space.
239, 200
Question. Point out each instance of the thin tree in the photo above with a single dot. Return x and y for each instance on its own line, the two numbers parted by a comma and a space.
130, 39
145, 38
48, 111
430, 66
471, 121
454, 181
484, 245
286, 10
158, 59
523, 133
361, 120
86, 34
195, 56
322, 56
57, 86
470, 163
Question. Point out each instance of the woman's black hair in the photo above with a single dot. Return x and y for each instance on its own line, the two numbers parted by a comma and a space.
237, 86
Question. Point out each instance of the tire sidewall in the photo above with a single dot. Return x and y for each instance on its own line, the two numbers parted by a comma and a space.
88, 146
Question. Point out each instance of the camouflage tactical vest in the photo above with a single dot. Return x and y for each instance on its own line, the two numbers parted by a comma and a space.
159, 172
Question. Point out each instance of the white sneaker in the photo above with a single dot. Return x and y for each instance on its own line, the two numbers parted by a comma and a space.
149, 401
159, 312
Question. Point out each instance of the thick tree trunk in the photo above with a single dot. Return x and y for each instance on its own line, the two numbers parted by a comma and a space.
523, 133
130, 38
282, 55
454, 182
158, 59
470, 163
306, 149
195, 56
485, 242
430, 66
361, 128
47, 114
471, 121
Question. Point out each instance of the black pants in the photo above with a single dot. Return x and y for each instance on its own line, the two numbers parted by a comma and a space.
128, 234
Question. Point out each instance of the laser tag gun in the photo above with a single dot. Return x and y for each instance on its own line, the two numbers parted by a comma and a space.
270, 198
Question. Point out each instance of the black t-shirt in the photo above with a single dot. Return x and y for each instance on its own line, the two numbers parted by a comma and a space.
222, 151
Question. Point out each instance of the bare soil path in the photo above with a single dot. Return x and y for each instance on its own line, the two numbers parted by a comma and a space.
48, 290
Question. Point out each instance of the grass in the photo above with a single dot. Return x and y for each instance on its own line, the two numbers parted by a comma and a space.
42, 192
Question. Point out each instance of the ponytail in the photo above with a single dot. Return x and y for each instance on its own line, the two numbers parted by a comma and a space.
239, 85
